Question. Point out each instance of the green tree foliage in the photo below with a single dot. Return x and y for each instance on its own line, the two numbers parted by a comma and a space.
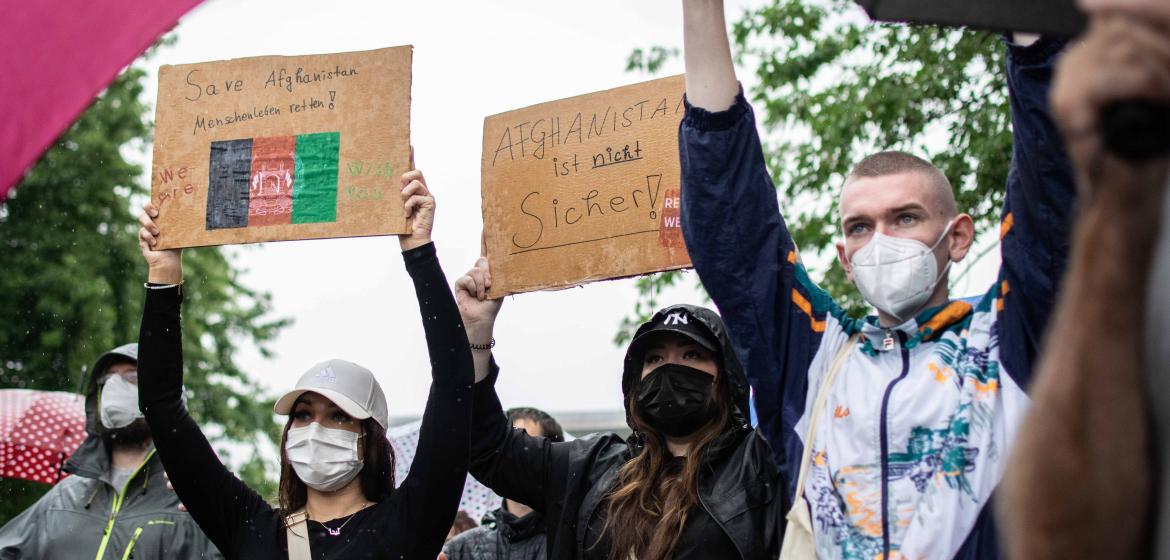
833, 88
72, 283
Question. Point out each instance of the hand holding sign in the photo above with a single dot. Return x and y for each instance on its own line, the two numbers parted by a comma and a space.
165, 266
471, 293
419, 207
584, 189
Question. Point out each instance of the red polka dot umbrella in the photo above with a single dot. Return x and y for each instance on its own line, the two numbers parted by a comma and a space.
38, 431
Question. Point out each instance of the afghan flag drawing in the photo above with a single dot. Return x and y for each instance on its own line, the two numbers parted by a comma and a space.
275, 180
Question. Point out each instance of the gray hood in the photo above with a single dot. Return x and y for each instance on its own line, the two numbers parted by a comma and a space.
91, 459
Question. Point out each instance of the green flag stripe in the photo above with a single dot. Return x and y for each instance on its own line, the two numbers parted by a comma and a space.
315, 185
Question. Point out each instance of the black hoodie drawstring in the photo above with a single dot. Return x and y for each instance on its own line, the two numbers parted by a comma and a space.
146, 483
92, 495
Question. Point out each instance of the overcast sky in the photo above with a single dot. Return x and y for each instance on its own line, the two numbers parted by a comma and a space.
351, 298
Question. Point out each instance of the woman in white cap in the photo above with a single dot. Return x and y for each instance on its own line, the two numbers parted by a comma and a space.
337, 497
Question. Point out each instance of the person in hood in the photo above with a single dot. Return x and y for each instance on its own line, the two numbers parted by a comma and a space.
116, 504
514, 531
693, 481
337, 496
928, 393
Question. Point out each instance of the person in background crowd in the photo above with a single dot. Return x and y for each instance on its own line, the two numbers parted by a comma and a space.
513, 531
463, 523
693, 481
337, 496
929, 393
116, 504
1081, 481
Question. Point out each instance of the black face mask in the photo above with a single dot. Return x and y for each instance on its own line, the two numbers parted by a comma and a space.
676, 399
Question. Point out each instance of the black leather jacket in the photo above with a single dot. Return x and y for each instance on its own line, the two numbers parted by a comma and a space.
740, 486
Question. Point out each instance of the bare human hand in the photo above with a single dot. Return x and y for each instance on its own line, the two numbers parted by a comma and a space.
164, 266
1156, 11
1121, 58
478, 312
471, 293
420, 208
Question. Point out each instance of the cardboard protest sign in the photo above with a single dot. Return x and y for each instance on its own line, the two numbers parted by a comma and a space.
584, 189
1058, 17
277, 148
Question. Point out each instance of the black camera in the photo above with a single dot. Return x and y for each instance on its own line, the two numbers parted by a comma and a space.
1132, 129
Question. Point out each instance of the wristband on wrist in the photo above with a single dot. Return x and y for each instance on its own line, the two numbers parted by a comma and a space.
487, 346
148, 286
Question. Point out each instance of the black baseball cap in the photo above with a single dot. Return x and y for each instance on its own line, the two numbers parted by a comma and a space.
674, 320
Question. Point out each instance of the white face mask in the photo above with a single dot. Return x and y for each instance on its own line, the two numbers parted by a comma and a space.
118, 403
324, 458
897, 275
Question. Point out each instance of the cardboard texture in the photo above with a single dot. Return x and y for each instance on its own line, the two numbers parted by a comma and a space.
584, 189
277, 148
1057, 17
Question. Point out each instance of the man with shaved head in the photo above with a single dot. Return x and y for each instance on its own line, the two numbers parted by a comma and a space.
891, 431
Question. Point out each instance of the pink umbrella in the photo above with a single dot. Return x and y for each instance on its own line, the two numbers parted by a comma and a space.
38, 431
58, 54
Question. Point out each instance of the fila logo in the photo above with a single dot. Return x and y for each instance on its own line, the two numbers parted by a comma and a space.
676, 318
327, 375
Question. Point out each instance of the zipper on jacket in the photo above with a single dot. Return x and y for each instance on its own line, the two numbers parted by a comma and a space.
885, 443
129, 547
117, 506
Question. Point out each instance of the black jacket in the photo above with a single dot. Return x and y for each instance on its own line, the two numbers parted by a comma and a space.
502, 536
567, 481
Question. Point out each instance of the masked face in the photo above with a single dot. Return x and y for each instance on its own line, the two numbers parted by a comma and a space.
118, 402
325, 459
897, 275
676, 399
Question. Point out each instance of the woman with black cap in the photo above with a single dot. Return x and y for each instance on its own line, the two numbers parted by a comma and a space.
337, 497
693, 481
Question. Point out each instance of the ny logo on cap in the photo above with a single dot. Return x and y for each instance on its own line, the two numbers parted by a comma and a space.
327, 375
676, 318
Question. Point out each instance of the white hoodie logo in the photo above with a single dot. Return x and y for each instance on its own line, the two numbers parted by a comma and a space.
327, 375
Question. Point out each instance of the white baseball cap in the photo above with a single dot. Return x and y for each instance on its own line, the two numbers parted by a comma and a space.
351, 387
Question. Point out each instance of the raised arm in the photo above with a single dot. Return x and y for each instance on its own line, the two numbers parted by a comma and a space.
737, 239
219, 502
711, 82
429, 496
1038, 210
515, 465
1088, 420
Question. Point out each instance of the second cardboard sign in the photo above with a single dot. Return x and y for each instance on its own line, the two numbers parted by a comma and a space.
584, 189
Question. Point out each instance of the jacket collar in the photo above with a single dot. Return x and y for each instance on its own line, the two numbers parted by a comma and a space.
515, 528
927, 326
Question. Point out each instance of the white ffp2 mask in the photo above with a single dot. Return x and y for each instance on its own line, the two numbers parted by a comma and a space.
118, 404
326, 459
897, 275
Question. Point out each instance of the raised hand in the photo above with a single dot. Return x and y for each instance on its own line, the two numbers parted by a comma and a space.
165, 266
1121, 58
478, 311
420, 208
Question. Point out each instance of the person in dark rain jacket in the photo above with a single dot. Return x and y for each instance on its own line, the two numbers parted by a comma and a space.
116, 505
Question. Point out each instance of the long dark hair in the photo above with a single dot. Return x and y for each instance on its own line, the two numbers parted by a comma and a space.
376, 478
646, 511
